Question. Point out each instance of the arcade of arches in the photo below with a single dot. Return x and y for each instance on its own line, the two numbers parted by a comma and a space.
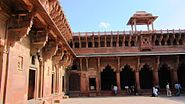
142, 72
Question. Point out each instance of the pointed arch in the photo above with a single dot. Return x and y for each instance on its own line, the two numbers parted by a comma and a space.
146, 77
108, 78
127, 76
164, 75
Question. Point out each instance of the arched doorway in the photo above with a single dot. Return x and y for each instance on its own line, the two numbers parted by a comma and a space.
146, 77
127, 77
74, 82
164, 76
108, 78
181, 75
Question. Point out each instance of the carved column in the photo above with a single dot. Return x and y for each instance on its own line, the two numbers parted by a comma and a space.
80, 44
174, 70
118, 74
86, 40
155, 71
137, 75
117, 41
105, 40
99, 39
98, 83
111, 40
123, 43
87, 63
93, 39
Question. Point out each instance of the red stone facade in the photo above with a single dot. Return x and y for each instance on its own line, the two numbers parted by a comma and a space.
41, 60
34, 52
127, 58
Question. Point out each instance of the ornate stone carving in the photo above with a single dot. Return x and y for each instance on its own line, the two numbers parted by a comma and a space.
58, 56
38, 40
50, 49
19, 27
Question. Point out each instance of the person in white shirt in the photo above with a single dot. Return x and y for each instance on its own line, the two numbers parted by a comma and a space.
168, 91
155, 92
115, 90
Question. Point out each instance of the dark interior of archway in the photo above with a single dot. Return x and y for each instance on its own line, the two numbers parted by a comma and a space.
127, 77
74, 82
108, 78
164, 76
146, 77
181, 75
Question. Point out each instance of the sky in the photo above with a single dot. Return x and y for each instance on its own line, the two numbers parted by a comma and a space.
113, 15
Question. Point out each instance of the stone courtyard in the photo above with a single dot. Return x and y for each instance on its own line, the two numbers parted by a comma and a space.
126, 100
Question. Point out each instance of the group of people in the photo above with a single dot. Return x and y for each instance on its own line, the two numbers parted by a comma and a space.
177, 86
129, 90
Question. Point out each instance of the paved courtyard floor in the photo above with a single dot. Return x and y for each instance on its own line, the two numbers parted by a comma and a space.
126, 100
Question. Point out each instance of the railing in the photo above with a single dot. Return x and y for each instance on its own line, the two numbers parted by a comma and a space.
129, 32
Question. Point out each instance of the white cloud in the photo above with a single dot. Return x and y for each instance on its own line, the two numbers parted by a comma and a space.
104, 25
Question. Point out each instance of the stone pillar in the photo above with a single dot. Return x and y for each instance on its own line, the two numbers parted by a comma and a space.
155, 77
174, 76
174, 71
137, 79
118, 80
98, 82
155, 71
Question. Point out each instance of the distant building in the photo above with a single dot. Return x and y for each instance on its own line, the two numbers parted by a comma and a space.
127, 58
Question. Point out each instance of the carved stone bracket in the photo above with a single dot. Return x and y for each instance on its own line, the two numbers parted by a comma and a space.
50, 49
19, 27
38, 40
66, 60
58, 56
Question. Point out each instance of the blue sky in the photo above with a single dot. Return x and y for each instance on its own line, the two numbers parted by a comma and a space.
113, 15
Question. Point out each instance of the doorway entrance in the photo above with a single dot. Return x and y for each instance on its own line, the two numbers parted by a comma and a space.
164, 76
108, 78
127, 77
146, 77
92, 84
31, 85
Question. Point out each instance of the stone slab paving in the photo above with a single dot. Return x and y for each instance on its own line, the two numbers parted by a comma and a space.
125, 100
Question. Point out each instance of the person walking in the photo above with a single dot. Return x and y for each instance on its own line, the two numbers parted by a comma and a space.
168, 91
177, 87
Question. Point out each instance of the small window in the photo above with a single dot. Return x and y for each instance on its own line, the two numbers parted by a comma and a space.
168, 42
77, 45
120, 43
126, 43
114, 43
89, 44
108, 44
96, 44
83, 44
92, 83
156, 42
33, 58
102, 44
132, 43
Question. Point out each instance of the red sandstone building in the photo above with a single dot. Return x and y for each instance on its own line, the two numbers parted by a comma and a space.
34, 51
127, 58
41, 59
